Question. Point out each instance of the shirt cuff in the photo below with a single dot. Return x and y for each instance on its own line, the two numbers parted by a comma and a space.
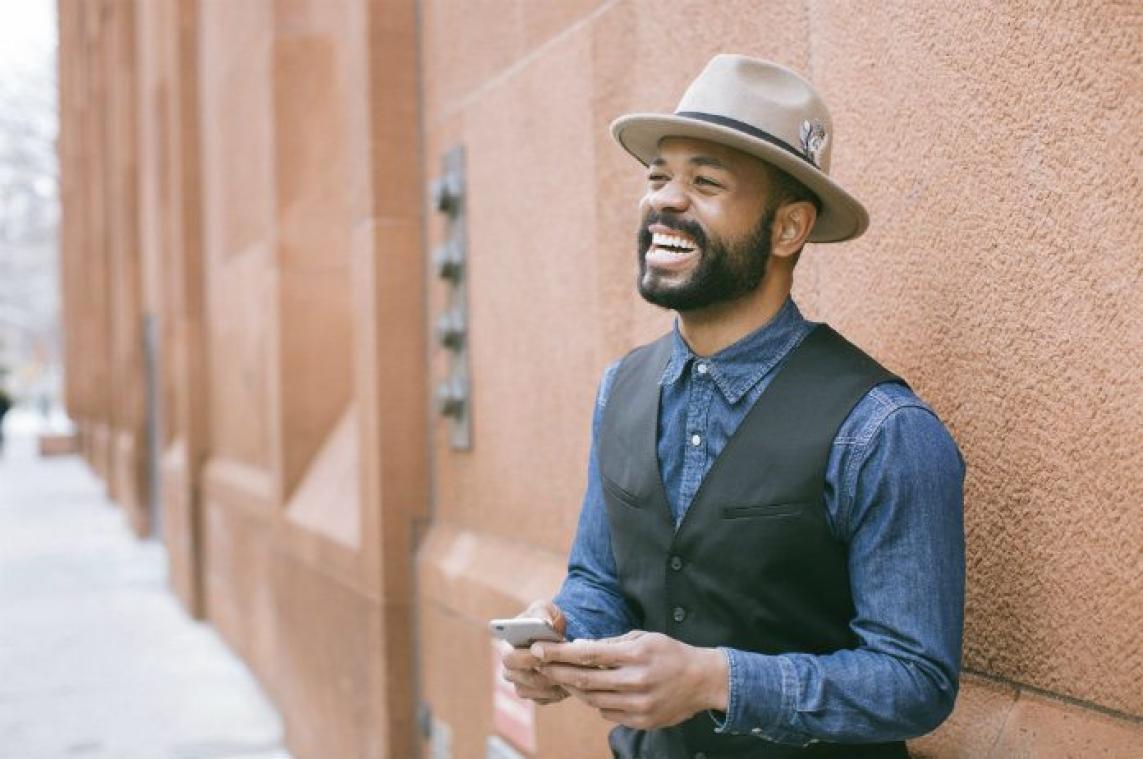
761, 701
574, 630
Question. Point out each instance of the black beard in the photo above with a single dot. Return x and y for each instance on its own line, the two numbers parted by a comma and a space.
725, 272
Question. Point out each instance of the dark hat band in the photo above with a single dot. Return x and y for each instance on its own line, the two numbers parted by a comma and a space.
753, 131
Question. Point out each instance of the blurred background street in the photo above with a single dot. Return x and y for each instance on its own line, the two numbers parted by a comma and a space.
98, 659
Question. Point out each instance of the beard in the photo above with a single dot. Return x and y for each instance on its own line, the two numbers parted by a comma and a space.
726, 270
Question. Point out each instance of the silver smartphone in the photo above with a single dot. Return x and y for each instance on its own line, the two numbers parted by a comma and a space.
521, 632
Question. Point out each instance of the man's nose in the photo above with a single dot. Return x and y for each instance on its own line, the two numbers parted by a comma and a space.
669, 197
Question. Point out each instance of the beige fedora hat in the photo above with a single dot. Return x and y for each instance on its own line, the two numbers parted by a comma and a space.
762, 109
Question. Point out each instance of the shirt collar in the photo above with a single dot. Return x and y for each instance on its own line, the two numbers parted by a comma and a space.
738, 367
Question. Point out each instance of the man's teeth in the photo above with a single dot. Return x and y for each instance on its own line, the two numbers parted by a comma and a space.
671, 241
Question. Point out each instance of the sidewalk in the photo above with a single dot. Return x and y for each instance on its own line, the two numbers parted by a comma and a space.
97, 659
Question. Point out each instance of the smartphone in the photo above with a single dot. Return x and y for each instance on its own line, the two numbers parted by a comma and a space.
522, 632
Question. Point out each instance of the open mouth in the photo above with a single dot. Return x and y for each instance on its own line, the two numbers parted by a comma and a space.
672, 243
671, 250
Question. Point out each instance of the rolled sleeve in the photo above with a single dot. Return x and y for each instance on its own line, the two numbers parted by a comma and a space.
901, 504
761, 698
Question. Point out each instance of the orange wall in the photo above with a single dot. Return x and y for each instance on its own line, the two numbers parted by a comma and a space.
214, 179
993, 146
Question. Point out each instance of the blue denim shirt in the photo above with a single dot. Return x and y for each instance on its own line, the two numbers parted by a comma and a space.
893, 496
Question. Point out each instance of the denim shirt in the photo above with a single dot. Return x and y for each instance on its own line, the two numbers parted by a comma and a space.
893, 496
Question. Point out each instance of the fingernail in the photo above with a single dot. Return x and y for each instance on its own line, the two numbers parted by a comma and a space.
538, 651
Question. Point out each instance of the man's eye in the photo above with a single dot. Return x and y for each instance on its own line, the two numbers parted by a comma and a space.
707, 181
657, 178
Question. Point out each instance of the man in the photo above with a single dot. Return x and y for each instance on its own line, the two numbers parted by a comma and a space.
770, 556
5, 407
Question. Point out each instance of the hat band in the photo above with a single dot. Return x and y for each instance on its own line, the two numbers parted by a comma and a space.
753, 131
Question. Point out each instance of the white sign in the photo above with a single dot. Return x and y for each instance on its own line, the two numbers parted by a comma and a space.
498, 748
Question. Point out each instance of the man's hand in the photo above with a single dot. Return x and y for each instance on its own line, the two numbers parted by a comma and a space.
642, 680
520, 665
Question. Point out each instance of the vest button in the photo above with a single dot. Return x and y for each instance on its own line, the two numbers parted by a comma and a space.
700, 755
676, 563
679, 614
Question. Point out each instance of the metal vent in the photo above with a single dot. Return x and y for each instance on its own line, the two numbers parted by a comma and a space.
449, 260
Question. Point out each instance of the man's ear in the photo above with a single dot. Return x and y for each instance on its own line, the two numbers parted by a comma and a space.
791, 227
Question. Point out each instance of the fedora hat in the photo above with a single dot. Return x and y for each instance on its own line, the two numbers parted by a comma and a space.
767, 111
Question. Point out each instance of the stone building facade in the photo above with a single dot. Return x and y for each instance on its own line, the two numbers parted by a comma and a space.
251, 304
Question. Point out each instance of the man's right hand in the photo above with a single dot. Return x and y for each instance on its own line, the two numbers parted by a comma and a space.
520, 665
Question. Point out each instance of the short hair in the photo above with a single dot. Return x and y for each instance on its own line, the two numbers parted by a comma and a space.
785, 189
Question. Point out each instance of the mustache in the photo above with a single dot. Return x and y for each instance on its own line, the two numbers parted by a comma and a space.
690, 228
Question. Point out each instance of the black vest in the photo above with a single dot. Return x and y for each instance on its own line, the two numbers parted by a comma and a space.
753, 564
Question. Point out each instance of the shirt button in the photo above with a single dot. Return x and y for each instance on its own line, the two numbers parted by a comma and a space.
676, 563
679, 614
701, 368
756, 731
700, 755
696, 440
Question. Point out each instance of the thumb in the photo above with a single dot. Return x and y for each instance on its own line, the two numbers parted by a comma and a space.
545, 609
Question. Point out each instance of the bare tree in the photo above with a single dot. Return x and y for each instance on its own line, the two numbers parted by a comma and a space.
29, 221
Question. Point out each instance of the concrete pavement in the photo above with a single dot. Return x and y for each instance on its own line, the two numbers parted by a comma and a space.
97, 659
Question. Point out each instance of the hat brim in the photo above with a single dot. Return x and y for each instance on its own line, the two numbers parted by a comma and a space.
841, 217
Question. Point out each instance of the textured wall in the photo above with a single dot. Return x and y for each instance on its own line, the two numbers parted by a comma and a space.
317, 445
999, 156
997, 149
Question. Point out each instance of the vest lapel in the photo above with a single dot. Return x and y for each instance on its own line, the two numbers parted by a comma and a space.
629, 450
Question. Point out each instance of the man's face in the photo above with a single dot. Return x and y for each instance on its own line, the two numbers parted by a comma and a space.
705, 231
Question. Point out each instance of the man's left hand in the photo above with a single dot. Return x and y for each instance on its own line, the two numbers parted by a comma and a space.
642, 680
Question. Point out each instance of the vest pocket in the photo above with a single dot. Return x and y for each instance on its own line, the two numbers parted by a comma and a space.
627, 498
789, 509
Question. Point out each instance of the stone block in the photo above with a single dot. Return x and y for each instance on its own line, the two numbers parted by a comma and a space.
1043, 728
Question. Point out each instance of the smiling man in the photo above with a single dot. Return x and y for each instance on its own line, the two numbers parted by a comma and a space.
770, 554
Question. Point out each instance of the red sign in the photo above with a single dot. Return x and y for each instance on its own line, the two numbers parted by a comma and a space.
512, 716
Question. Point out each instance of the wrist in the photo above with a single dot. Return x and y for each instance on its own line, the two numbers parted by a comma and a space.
714, 679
